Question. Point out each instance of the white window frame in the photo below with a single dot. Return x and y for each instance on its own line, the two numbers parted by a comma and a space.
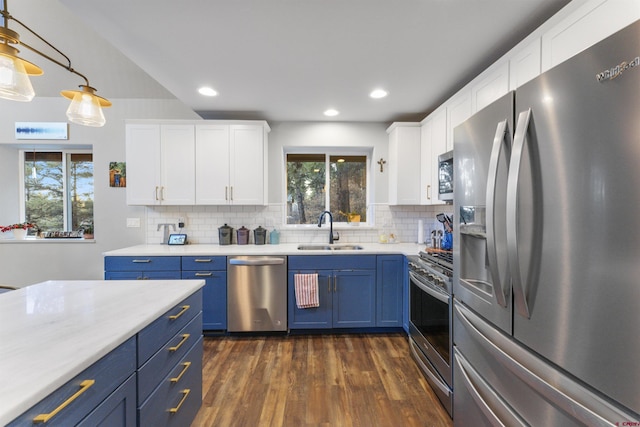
329, 152
66, 201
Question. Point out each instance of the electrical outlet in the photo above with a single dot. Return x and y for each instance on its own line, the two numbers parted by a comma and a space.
133, 222
180, 222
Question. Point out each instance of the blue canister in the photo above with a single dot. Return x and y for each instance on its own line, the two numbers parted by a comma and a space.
447, 241
274, 237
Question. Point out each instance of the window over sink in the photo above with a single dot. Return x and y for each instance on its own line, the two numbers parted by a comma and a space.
333, 181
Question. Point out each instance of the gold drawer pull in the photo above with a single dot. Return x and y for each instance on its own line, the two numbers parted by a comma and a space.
204, 274
184, 310
138, 261
186, 367
184, 339
185, 392
84, 386
203, 260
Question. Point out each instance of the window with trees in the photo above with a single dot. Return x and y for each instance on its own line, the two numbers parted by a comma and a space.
326, 181
58, 189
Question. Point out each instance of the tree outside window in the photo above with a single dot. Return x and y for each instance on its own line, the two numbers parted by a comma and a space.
310, 175
58, 190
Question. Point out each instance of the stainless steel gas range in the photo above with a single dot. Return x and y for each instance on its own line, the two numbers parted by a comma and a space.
430, 320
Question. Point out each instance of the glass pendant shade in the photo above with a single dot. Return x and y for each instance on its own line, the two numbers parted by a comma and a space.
86, 107
14, 80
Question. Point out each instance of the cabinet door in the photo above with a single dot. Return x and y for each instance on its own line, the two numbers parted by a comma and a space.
354, 297
430, 149
178, 164
493, 84
143, 164
524, 65
212, 164
404, 164
247, 165
458, 110
117, 410
214, 298
389, 275
314, 317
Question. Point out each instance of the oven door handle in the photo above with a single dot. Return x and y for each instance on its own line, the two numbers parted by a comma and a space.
437, 295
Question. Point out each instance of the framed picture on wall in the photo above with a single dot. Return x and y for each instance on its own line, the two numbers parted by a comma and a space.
117, 174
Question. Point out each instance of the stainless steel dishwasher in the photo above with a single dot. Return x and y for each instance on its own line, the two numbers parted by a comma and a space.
256, 293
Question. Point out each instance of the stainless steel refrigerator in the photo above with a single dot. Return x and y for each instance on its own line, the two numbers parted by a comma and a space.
547, 250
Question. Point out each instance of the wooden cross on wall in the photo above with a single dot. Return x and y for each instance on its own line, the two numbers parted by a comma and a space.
382, 162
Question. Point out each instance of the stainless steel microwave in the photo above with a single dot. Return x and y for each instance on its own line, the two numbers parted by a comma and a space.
445, 176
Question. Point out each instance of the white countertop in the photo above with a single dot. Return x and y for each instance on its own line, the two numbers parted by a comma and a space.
52, 331
282, 249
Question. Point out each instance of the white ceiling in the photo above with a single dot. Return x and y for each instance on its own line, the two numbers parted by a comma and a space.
280, 60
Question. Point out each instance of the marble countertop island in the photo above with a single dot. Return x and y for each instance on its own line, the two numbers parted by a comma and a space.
52, 331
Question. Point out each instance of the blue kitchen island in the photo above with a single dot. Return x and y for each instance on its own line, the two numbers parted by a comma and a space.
86, 352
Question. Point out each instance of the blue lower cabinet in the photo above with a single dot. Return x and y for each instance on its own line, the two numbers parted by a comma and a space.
84, 394
389, 289
142, 268
176, 401
214, 299
346, 291
118, 410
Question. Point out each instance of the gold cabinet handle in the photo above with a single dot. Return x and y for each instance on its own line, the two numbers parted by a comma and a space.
84, 386
231, 193
184, 339
156, 192
204, 274
226, 193
186, 367
335, 284
143, 261
185, 393
428, 192
203, 260
183, 311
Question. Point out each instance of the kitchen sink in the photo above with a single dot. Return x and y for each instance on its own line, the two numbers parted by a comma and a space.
329, 247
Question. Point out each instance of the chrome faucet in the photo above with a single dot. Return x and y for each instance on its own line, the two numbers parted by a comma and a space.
331, 236
165, 235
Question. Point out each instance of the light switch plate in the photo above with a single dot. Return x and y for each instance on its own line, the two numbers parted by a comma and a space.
133, 222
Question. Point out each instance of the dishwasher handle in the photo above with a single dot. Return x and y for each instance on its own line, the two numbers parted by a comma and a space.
260, 261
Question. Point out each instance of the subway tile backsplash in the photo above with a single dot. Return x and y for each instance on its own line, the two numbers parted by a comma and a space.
202, 222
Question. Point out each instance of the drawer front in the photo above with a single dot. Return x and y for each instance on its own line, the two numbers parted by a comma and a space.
142, 263
332, 262
161, 363
77, 398
118, 410
175, 403
154, 336
204, 263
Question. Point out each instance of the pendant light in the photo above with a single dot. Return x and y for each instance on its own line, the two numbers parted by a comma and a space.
86, 106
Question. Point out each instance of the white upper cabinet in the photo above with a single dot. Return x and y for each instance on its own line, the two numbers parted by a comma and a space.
430, 149
203, 163
594, 21
525, 64
491, 85
212, 164
248, 165
160, 164
404, 163
458, 110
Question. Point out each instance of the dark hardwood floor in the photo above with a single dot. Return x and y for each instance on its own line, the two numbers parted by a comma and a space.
315, 380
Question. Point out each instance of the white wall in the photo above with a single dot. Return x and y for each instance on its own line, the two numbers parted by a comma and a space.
23, 263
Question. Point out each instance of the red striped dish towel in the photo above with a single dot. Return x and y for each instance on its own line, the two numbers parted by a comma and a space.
306, 287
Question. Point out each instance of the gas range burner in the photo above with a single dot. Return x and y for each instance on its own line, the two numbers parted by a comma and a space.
441, 257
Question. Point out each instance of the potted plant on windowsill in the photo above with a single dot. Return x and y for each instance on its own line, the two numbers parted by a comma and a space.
19, 230
87, 229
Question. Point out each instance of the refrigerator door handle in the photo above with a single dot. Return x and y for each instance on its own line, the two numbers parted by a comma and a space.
472, 381
500, 142
519, 140
558, 389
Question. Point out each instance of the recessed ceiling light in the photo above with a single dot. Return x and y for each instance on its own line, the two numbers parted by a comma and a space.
378, 93
207, 91
331, 112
